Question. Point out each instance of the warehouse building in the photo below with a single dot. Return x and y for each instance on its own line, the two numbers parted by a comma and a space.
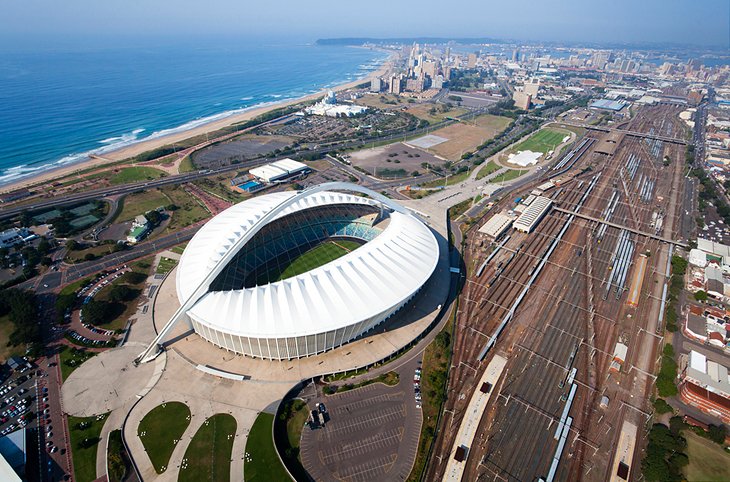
534, 213
496, 225
279, 171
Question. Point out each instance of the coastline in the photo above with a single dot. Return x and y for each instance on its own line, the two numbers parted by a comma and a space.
143, 145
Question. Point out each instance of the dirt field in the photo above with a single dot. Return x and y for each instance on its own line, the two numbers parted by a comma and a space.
393, 161
423, 111
464, 137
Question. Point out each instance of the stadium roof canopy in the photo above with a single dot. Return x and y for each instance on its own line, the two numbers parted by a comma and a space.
363, 283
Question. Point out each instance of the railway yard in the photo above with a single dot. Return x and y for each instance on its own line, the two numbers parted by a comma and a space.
558, 303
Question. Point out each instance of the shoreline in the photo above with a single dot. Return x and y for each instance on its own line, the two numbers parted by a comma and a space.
144, 145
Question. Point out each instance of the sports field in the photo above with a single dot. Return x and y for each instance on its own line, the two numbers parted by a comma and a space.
314, 258
543, 141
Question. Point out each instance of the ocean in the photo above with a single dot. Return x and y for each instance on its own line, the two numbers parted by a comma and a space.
59, 105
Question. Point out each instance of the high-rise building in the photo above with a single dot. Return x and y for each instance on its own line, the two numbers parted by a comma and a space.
531, 88
471, 61
376, 85
515, 55
416, 85
429, 68
437, 82
396, 86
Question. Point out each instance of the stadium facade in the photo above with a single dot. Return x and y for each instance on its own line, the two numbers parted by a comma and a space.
293, 274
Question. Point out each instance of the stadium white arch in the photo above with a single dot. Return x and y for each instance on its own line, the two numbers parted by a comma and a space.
202, 288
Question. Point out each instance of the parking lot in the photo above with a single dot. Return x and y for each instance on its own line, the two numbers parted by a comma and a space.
371, 433
17, 397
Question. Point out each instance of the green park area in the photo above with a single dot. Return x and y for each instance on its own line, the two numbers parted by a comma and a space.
509, 175
161, 429
208, 457
140, 202
6, 348
165, 265
544, 140
262, 464
489, 168
449, 180
84, 433
127, 175
309, 260
116, 302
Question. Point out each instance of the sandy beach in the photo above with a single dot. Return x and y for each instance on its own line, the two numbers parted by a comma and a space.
149, 144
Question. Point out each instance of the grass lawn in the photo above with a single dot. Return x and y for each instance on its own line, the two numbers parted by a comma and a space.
84, 442
707, 460
75, 286
418, 193
166, 265
141, 202
455, 179
189, 210
262, 463
72, 358
509, 175
208, 457
186, 165
6, 328
179, 248
390, 378
159, 429
542, 141
314, 258
488, 169
135, 174
101, 250
288, 434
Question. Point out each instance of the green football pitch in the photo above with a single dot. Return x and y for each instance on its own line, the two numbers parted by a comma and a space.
314, 258
543, 141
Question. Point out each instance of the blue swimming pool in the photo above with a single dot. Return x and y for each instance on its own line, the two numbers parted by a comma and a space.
249, 186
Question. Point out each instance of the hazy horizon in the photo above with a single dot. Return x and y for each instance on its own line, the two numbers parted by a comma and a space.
675, 22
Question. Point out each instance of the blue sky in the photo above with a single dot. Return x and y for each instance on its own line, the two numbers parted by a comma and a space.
704, 22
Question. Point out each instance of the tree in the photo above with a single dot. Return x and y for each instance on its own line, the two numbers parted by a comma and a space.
72, 245
153, 217
717, 433
661, 406
701, 296
97, 312
133, 277
121, 293
43, 247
